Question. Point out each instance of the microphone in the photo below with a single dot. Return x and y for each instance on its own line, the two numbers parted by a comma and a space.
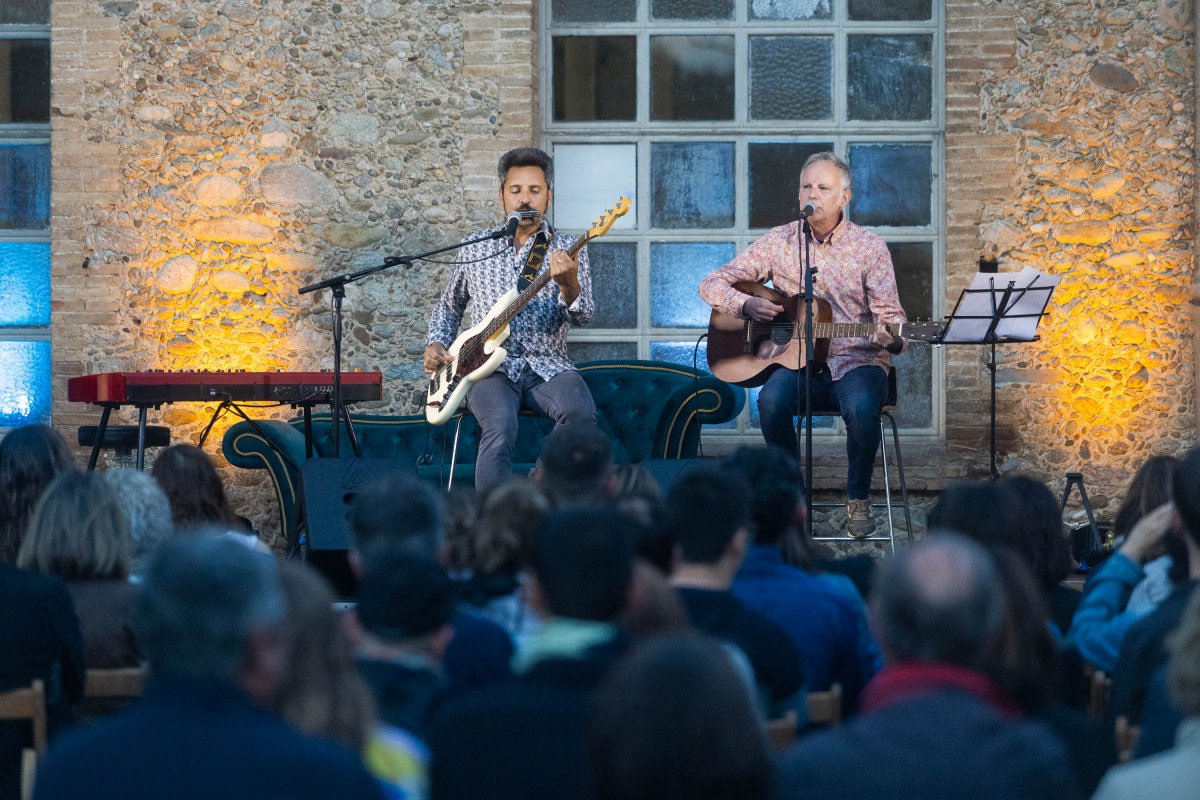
513, 221
807, 211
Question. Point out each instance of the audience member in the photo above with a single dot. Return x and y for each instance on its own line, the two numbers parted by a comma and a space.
637, 495
674, 722
653, 607
575, 465
824, 616
709, 516
39, 639
933, 723
30, 457
322, 693
528, 737
209, 620
147, 509
1143, 650
489, 555
981, 510
404, 515
197, 496
1174, 774
79, 532
402, 628
1166, 565
1042, 543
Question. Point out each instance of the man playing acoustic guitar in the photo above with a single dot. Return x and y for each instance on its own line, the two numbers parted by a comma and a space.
855, 276
536, 371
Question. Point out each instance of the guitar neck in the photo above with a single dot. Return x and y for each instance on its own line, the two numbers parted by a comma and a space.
844, 330
535, 286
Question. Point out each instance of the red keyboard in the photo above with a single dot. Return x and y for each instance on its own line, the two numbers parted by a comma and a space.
154, 388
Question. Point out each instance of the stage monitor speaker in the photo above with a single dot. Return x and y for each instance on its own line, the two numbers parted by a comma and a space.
328, 487
667, 471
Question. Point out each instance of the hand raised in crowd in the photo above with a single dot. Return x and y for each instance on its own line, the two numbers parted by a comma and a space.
1149, 531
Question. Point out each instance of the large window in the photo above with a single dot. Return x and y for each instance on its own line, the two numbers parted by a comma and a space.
24, 212
703, 111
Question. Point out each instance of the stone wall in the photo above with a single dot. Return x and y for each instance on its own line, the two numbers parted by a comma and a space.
212, 157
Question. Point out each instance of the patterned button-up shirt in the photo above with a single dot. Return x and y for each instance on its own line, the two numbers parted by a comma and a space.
538, 335
854, 274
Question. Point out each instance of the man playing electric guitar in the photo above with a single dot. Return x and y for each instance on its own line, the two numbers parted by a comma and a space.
855, 276
537, 372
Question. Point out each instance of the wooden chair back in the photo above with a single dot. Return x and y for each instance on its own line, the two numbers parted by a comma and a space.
825, 708
122, 683
781, 731
28, 704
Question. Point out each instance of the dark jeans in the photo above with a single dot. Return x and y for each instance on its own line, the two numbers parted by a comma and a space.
859, 394
497, 400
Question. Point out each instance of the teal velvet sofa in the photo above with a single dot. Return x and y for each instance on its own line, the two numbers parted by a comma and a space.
649, 409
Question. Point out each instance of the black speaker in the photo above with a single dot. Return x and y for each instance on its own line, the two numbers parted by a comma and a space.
328, 487
669, 470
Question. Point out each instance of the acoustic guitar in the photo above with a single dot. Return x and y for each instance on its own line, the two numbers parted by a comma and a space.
746, 352
477, 352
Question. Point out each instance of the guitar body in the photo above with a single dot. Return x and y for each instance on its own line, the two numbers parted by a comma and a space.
475, 357
745, 352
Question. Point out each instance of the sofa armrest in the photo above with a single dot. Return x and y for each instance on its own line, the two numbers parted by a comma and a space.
277, 447
704, 401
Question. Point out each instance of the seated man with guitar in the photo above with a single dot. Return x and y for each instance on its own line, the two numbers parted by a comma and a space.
501, 281
855, 283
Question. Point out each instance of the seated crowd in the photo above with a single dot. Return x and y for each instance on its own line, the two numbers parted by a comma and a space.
584, 633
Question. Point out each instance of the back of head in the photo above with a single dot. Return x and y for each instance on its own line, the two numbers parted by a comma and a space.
147, 508
202, 599
405, 598
78, 531
1185, 490
400, 513
980, 510
583, 562
500, 537
193, 487
675, 720
705, 509
1039, 538
1024, 657
30, 458
1149, 489
774, 480
941, 601
575, 464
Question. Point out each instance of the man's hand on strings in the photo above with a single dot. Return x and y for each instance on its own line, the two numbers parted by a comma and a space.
565, 271
884, 338
436, 355
760, 309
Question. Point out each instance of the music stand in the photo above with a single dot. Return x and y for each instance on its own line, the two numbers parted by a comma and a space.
999, 310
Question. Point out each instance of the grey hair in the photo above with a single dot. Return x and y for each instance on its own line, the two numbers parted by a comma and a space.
148, 510
203, 597
829, 157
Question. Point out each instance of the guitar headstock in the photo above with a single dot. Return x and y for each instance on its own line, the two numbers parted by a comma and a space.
605, 221
923, 330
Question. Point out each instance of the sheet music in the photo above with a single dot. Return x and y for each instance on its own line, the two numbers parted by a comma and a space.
978, 304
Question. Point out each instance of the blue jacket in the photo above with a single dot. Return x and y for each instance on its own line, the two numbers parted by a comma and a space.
1101, 621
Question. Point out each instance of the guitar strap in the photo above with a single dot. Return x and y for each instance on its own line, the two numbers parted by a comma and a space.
533, 262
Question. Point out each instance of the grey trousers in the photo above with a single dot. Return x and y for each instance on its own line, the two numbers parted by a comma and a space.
497, 400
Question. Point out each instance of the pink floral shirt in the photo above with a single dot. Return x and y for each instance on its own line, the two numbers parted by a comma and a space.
854, 274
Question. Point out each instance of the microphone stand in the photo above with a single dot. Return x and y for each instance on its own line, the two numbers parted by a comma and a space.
808, 271
338, 284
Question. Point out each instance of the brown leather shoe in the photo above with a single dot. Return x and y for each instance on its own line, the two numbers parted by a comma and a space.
859, 523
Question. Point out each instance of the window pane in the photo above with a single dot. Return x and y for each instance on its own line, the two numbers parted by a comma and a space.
791, 77
24, 284
914, 276
24, 80
25, 186
691, 185
890, 77
893, 184
600, 351
593, 10
589, 178
775, 180
25, 12
867, 10
691, 9
595, 78
790, 9
614, 284
24, 383
691, 77
686, 354
914, 382
676, 269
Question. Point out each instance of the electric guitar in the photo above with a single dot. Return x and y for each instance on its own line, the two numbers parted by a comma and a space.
746, 352
477, 352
